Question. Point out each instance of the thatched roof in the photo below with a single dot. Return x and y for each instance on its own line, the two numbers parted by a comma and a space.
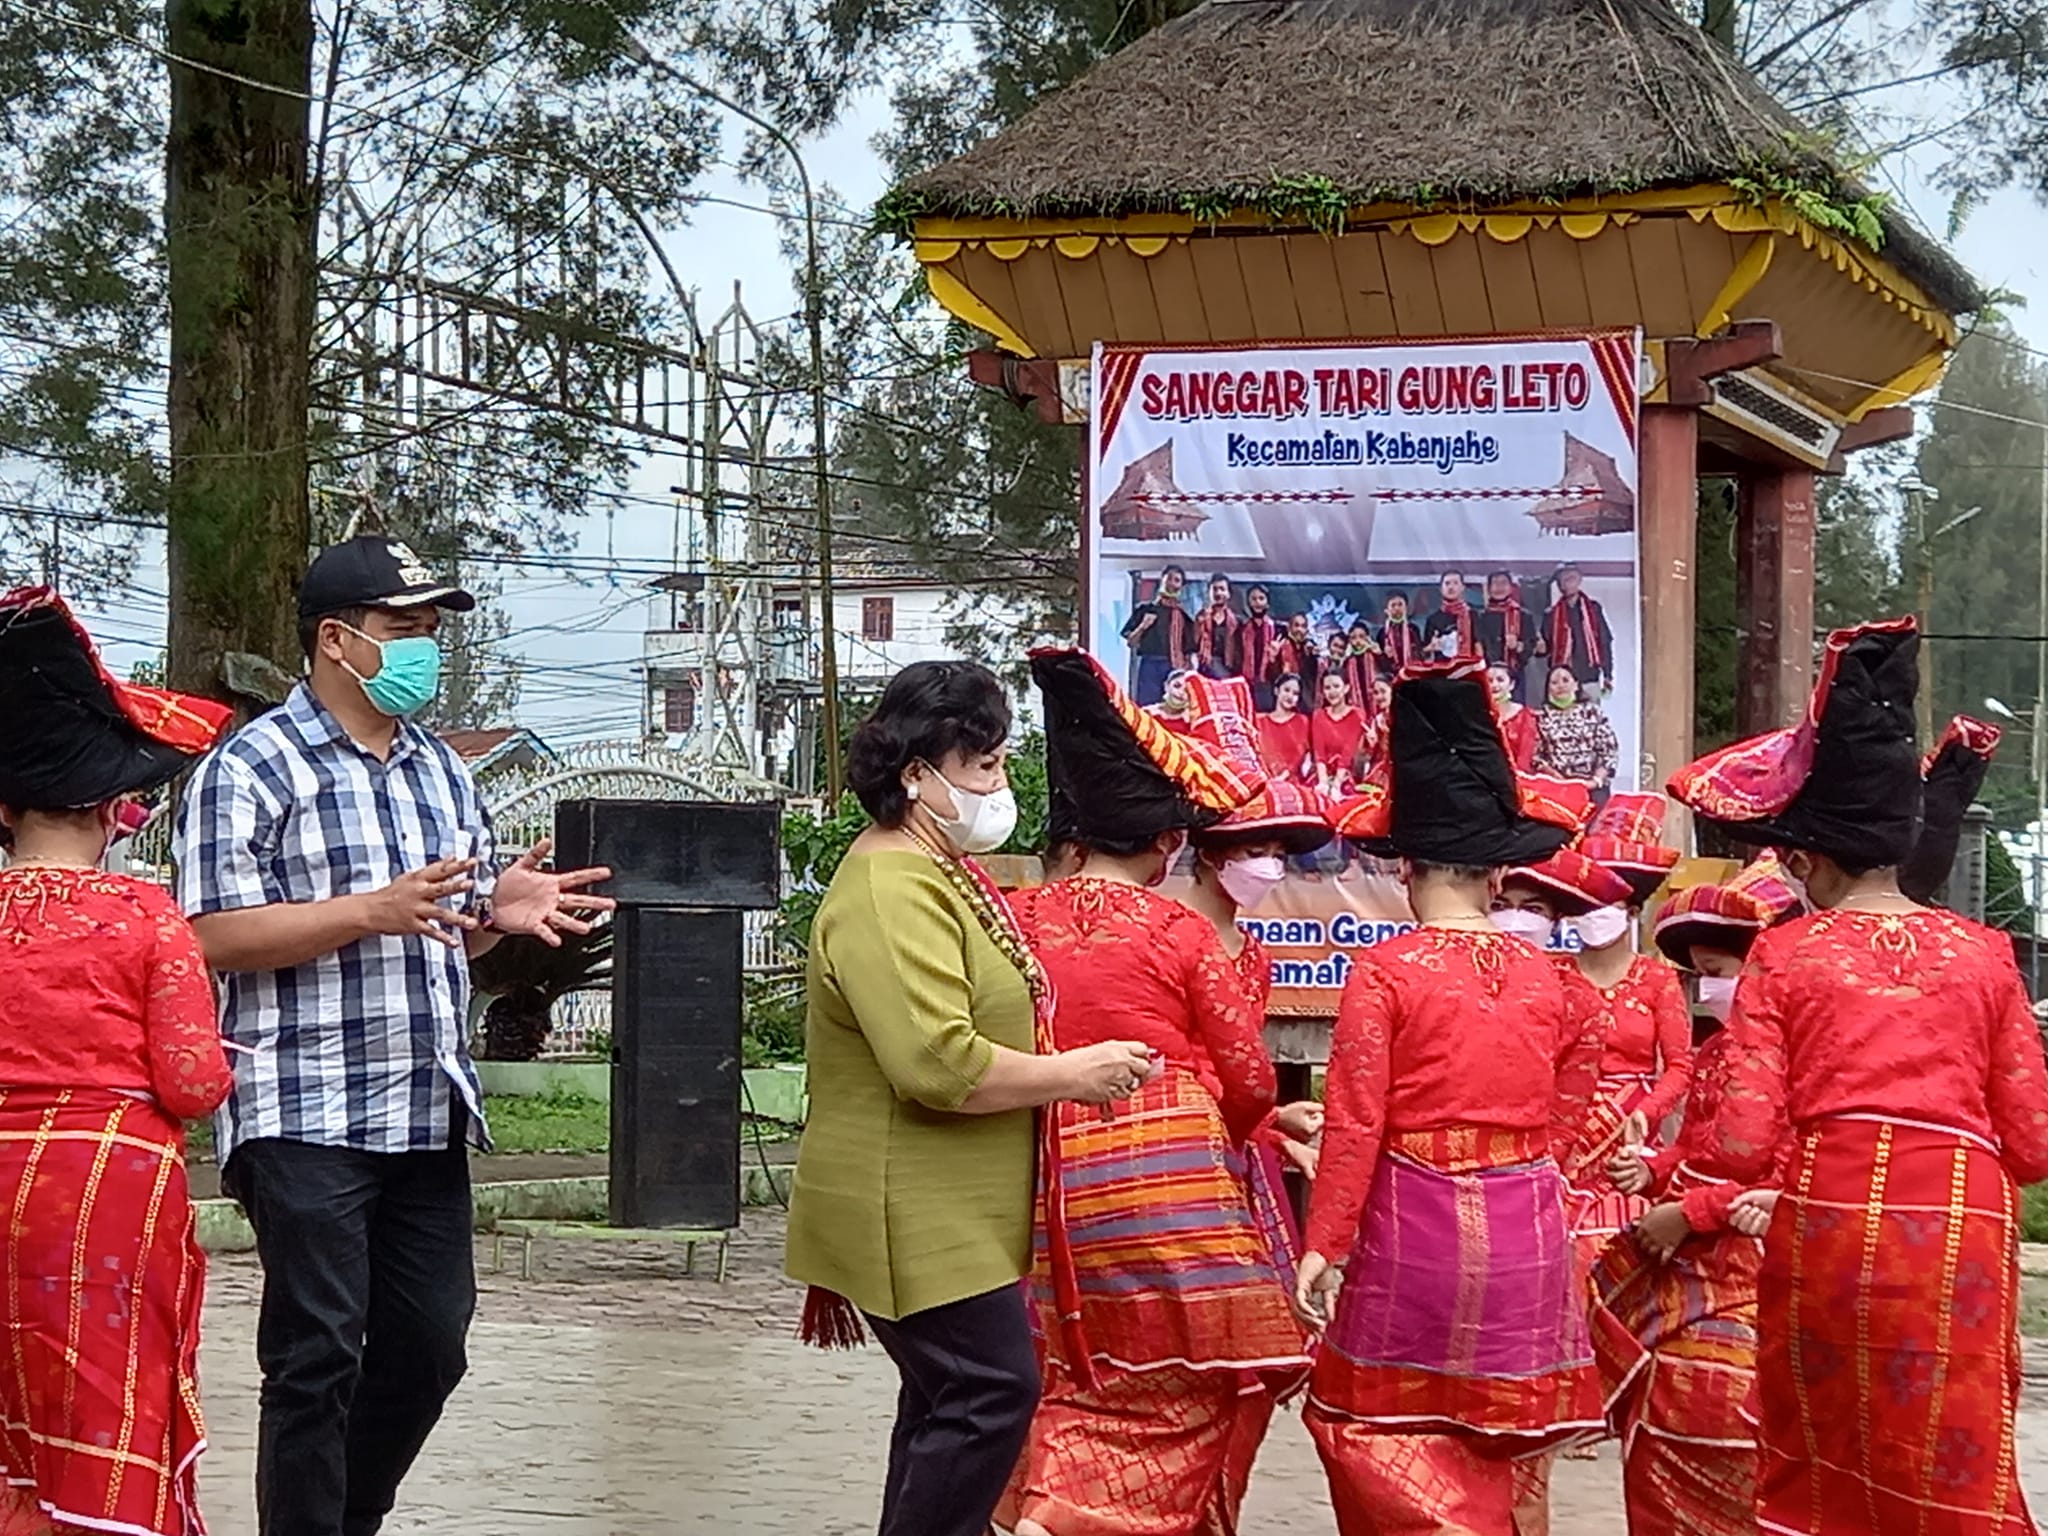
1251, 103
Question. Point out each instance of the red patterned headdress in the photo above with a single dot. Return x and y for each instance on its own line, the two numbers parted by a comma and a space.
1119, 774
76, 735
1220, 714
1573, 883
1627, 836
1728, 916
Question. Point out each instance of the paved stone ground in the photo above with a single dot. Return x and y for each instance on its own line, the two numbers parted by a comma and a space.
613, 1395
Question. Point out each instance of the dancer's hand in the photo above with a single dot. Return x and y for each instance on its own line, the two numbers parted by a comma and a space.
1628, 1171
1104, 1073
1300, 1121
1304, 1155
1751, 1212
1315, 1282
1662, 1228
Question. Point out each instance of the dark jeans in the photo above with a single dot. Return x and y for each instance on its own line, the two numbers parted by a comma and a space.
970, 1384
1153, 671
369, 1284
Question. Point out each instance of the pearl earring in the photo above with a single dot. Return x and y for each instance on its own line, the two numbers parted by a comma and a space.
911, 792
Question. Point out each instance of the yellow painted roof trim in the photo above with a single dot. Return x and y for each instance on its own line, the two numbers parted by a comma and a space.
1910, 381
1747, 273
960, 301
938, 240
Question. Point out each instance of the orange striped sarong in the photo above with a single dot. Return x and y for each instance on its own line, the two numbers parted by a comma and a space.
1184, 1305
1888, 1371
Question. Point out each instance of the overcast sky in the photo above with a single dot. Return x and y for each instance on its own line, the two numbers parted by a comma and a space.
580, 637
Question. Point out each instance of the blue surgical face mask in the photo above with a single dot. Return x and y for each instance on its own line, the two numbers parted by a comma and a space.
408, 678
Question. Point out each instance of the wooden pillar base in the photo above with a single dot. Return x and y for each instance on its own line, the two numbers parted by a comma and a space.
1774, 534
1669, 520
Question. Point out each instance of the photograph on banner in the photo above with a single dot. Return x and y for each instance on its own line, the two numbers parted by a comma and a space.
1312, 517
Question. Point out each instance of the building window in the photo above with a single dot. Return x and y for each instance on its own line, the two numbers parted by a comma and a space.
788, 613
679, 709
878, 618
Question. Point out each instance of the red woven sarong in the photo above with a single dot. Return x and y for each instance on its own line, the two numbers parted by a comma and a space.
104, 1269
1676, 1341
1888, 1371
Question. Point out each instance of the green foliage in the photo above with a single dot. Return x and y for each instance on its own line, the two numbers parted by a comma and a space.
1207, 207
812, 847
1821, 201
523, 153
2005, 890
549, 1122
1312, 200
1984, 451
774, 1021
1714, 638
2034, 1217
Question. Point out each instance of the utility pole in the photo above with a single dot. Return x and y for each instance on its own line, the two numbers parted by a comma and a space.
814, 328
2040, 722
1918, 493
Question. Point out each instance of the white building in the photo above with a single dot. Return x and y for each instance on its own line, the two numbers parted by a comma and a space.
714, 687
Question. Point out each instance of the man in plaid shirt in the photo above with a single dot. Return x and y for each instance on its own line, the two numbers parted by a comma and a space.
336, 863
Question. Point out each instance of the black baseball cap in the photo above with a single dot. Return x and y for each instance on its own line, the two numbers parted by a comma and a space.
374, 572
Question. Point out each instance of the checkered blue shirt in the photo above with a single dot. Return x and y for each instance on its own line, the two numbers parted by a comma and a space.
365, 1048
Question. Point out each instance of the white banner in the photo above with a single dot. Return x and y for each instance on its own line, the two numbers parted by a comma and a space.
1307, 517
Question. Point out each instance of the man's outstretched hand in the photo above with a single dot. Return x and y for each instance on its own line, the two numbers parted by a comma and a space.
544, 903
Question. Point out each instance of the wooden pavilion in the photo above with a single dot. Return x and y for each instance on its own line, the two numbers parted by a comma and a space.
1261, 170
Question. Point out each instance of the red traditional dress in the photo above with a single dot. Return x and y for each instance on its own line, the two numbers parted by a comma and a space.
110, 1043
1459, 1340
1893, 1065
1284, 747
1645, 1065
1518, 730
1184, 1301
1676, 1340
1333, 743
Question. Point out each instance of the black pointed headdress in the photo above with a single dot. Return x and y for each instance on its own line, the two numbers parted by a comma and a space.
75, 735
1118, 774
1848, 780
1451, 794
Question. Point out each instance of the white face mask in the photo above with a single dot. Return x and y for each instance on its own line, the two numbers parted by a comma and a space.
1602, 926
1717, 996
1523, 923
979, 823
1249, 881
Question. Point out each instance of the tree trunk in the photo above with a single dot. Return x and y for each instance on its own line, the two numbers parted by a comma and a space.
239, 216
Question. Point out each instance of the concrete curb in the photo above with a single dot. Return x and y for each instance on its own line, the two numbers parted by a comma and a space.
223, 1229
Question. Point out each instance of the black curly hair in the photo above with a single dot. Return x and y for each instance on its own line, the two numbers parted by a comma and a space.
929, 709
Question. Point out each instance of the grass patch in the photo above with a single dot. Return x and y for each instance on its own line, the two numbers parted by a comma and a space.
549, 1122
2034, 1213
2034, 1305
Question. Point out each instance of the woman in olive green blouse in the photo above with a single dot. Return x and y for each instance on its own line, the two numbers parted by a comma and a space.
914, 1186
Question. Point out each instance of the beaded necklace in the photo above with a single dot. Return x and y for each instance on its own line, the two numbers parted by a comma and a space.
986, 900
